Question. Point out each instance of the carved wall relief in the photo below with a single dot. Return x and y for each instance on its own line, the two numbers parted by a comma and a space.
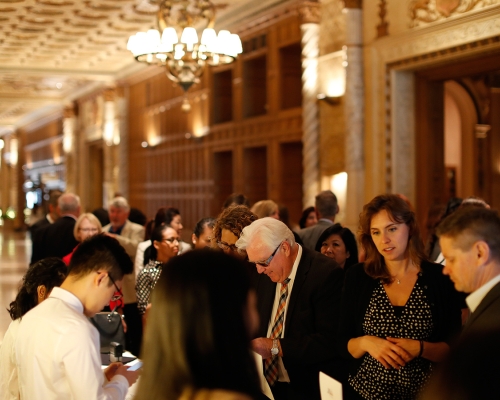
427, 11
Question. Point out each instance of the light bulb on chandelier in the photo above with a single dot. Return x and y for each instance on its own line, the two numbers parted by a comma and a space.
177, 46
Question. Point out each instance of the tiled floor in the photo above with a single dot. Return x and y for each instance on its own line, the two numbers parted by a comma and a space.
15, 252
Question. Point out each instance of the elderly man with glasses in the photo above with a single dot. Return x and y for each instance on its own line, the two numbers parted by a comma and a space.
298, 305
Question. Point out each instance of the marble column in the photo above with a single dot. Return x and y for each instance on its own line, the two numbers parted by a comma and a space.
354, 113
111, 169
70, 148
310, 17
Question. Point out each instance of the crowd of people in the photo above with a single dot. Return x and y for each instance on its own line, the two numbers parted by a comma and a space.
254, 307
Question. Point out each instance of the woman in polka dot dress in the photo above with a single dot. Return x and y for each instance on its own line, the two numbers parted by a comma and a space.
398, 310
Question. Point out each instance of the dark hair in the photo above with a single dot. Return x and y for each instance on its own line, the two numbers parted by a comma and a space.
305, 215
326, 204
197, 334
48, 272
234, 219
347, 237
201, 224
400, 212
471, 224
236, 199
157, 235
164, 215
100, 252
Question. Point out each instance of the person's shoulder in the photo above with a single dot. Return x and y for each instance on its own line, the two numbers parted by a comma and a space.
133, 226
213, 394
357, 272
432, 269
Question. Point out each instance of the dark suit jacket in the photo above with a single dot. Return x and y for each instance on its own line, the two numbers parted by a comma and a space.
37, 239
311, 234
487, 314
311, 321
58, 239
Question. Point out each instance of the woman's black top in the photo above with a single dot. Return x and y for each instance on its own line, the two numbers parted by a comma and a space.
431, 314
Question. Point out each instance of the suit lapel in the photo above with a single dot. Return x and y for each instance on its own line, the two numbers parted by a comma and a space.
266, 290
490, 297
300, 277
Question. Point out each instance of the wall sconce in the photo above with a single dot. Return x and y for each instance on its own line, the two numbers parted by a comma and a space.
332, 100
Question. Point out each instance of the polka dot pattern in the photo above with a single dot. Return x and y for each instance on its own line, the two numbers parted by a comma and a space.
413, 321
146, 281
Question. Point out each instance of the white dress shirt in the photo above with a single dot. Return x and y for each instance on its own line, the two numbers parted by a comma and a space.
57, 354
282, 373
476, 297
9, 388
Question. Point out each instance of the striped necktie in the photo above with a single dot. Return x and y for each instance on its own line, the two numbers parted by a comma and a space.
271, 364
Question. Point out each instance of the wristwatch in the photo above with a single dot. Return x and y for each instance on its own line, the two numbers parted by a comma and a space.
275, 349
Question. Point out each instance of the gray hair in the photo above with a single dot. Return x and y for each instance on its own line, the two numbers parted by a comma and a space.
269, 230
68, 203
120, 202
326, 204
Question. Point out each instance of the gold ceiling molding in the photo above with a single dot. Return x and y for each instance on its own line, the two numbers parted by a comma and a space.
56, 2
47, 11
90, 14
423, 12
134, 19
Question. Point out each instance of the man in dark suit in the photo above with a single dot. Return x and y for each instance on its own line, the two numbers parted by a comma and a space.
298, 304
470, 242
58, 238
327, 208
39, 226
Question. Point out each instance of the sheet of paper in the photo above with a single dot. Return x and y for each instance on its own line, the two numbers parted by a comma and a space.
264, 386
330, 388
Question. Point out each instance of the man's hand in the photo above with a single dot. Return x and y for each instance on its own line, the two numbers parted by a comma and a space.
131, 376
263, 347
111, 369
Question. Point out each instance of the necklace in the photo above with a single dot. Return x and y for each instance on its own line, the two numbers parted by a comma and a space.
399, 282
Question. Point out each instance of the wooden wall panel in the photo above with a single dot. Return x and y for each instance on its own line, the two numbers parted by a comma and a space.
194, 164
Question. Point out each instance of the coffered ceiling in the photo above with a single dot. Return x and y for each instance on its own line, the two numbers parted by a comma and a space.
52, 51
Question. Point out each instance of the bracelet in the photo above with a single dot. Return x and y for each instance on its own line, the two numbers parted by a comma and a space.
421, 349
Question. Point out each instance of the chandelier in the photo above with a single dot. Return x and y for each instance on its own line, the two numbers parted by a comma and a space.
176, 44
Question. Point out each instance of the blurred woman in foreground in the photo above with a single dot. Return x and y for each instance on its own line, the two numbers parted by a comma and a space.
198, 338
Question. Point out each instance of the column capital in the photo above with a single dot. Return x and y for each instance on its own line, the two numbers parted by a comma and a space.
309, 12
109, 94
69, 112
353, 3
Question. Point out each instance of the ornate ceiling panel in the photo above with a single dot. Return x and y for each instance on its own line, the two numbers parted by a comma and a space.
50, 49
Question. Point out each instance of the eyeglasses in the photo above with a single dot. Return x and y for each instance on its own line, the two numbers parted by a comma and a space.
89, 230
268, 261
172, 240
116, 296
226, 246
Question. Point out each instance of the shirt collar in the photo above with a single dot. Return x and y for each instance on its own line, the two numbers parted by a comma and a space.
69, 298
475, 298
295, 265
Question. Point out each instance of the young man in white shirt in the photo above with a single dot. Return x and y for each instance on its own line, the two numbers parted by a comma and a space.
57, 348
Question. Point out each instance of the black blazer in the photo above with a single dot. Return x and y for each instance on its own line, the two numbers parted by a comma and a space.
58, 238
37, 250
487, 314
358, 288
311, 321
